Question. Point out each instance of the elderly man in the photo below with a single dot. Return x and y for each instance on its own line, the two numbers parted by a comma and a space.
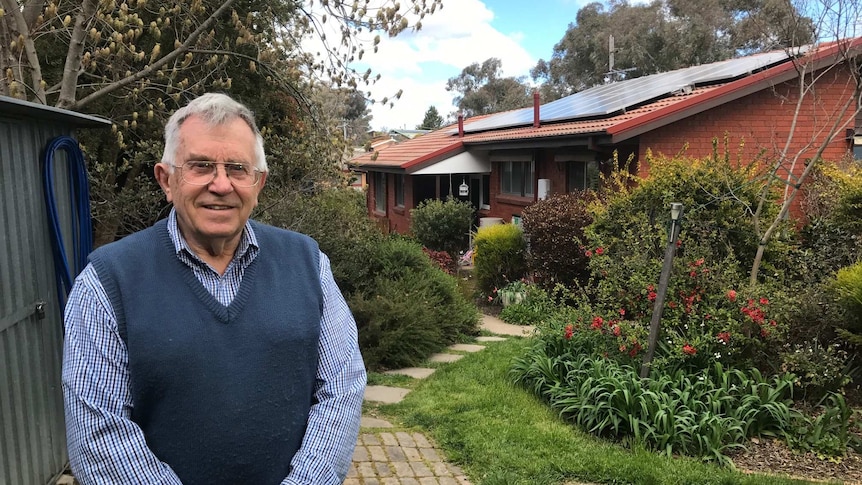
209, 348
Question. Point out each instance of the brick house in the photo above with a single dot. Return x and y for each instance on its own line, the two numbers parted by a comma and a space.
507, 161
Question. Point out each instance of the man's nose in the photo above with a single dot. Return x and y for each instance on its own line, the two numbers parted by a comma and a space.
221, 182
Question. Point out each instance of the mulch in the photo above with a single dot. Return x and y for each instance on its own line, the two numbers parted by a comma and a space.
774, 457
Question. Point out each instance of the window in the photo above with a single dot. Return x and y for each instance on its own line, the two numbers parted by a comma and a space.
581, 175
380, 192
516, 178
399, 190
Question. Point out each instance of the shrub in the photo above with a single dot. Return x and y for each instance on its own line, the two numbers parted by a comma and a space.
442, 259
819, 369
848, 288
536, 306
442, 225
556, 229
338, 221
499, 255
832, 238
409, 308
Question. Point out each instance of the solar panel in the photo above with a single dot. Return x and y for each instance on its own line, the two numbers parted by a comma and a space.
614, 97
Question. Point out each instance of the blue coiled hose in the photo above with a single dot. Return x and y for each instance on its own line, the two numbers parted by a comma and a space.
79, 206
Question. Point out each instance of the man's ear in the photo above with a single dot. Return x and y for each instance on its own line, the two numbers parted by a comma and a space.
163, 175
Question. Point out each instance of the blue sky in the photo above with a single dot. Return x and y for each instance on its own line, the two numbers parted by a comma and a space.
518, 32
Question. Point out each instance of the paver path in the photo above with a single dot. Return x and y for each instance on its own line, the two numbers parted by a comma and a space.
384, 457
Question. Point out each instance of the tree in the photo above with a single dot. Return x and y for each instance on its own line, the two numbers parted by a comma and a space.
432, 120
482, 90
136, 61
662, 36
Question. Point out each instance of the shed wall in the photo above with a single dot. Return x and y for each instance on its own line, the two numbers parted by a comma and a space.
32, 441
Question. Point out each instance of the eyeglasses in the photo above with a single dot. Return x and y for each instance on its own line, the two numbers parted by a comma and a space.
203, 172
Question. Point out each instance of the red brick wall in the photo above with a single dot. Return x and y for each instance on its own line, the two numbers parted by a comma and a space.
761, 120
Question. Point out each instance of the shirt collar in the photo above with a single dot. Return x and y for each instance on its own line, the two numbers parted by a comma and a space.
247, 241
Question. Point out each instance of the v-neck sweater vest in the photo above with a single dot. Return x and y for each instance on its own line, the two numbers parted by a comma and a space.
221, 393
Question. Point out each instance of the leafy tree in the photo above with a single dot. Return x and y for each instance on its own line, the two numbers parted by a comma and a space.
136, 61
432, 120
481, 89
662, 36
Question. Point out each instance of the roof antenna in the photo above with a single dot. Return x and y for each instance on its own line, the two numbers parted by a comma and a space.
614, 74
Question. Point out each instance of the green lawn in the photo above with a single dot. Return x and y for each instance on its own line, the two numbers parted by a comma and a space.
501, 434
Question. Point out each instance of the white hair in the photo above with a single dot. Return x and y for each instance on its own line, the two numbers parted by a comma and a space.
214, 109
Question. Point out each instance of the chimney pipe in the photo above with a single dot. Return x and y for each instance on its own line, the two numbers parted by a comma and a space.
460, 125
536, 109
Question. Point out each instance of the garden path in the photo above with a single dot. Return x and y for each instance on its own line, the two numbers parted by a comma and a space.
386, 457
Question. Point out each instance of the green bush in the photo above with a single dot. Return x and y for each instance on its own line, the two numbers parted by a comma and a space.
832, 237
442, 226
534, 309
499, 256
848, 288
819, 369
556, 230
338, 220
409, 308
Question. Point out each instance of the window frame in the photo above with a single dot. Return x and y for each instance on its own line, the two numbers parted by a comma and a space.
525, 171
380, 192
399, 190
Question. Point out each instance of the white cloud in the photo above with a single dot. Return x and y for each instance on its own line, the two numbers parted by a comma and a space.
420, 63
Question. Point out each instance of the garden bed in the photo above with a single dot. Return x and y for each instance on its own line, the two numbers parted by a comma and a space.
774, 457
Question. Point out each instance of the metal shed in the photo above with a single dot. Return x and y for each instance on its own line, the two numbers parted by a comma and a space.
32, 430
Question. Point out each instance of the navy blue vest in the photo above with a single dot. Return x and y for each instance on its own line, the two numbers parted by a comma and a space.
222, 394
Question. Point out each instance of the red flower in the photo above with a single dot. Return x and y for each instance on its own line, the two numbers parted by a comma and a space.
617, 330
731, 295
764, 301
635, 348
693, 274
688, 349
723, 336
588, 254
651, 296
597, 323
600, 251
623, 311
570, 330
623, 348
671, 304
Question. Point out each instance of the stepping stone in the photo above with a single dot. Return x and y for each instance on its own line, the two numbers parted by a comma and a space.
414, 372
385, 394
490, 339
368, 422
499, 327
445, 358
466, 347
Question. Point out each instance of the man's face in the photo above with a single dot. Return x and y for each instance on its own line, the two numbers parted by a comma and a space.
215, 214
